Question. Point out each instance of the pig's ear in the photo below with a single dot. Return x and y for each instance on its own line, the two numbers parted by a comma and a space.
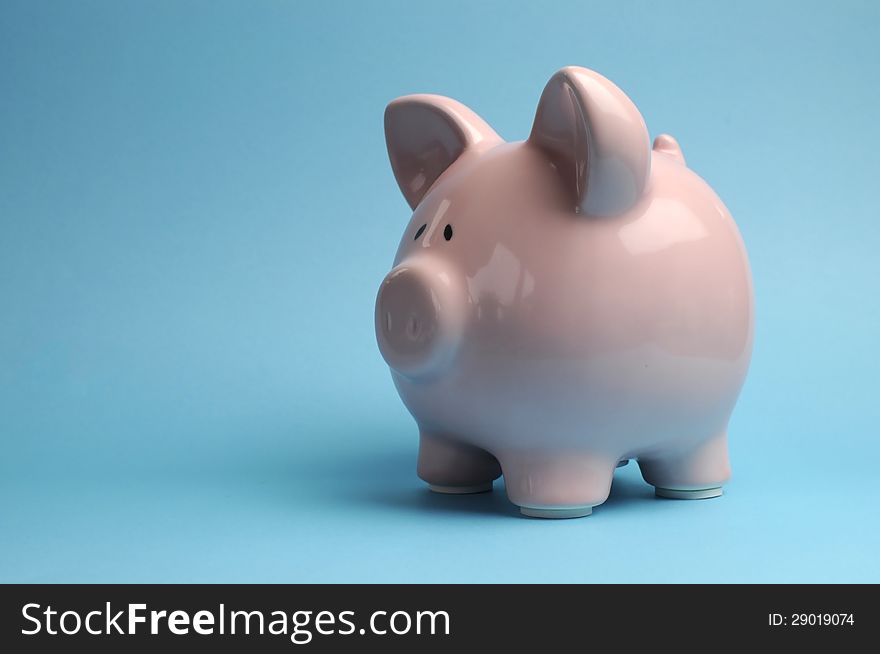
425, 134
596, 139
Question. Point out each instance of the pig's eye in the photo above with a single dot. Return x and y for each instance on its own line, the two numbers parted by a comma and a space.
447, 233
419, 232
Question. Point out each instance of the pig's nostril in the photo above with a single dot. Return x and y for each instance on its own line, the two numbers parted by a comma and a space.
388, 321
413, 327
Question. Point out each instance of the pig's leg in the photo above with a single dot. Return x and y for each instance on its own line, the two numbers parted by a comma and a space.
695, 473
561, 485
450, 466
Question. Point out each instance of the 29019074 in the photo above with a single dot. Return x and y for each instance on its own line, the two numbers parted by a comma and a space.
811, 620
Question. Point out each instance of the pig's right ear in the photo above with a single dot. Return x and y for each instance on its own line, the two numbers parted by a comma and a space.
595, 138
425, 134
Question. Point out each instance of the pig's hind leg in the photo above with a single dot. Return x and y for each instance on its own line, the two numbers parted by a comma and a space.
454, 467
693, 473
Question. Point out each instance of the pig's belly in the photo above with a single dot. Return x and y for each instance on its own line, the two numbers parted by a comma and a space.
622, 404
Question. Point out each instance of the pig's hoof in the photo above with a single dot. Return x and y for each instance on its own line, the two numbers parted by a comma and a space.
622, 463
557, 514
701, 494
461, 490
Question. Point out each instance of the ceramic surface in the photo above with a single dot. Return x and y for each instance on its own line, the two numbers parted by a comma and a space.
562, 304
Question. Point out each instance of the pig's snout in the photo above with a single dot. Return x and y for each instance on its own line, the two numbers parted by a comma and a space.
419, 315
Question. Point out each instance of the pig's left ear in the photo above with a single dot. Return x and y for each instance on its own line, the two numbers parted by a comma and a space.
596, 139
425, 134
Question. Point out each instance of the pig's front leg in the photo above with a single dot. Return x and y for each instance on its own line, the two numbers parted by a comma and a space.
451, 466
557, 485
694, 473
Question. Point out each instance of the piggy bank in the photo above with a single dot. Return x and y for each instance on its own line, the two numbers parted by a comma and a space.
561, 305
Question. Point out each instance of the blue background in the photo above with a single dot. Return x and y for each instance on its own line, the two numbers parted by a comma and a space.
196, 210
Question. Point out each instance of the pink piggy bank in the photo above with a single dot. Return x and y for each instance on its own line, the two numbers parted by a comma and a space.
562, 304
